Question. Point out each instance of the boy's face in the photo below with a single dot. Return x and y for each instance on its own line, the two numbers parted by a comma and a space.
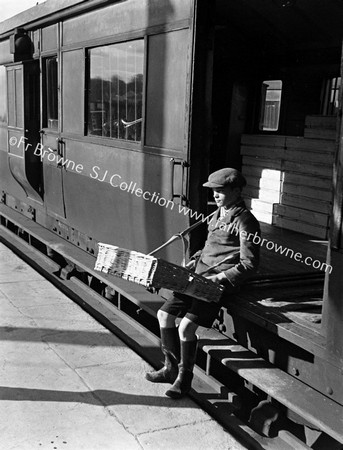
226, 196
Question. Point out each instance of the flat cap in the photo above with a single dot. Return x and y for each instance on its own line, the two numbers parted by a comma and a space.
224, 177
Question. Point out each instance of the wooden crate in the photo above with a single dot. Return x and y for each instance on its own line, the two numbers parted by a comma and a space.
289, 180
320, 127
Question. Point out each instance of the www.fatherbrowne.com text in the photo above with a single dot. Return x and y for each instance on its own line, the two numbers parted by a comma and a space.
115, 180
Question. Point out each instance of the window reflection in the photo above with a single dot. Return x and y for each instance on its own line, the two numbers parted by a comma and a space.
115, 90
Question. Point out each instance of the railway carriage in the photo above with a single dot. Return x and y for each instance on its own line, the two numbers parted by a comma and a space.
113, 113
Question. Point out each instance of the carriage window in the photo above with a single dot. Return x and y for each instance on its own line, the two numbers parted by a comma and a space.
115, 91
50, 93
270, 105
3, 95
330, 96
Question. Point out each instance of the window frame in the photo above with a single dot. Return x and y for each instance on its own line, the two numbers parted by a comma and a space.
4, 93
263, 105
106, 140
329, 99
45, 96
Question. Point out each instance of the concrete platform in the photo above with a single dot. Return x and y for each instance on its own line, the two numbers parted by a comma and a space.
68, 383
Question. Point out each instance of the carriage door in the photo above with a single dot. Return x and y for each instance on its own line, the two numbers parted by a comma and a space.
23, 127
52, 151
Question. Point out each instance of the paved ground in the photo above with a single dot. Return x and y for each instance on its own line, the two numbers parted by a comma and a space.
68, 383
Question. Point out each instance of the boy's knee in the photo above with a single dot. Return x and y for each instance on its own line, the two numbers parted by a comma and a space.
165, 320
187, 329
161, 315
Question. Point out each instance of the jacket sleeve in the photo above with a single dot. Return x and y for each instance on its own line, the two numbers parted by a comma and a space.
249, 243
196, 255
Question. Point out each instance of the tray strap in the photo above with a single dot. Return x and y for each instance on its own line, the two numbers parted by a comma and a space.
182, 235
228, 258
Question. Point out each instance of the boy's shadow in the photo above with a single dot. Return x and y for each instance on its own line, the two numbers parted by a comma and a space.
98, 397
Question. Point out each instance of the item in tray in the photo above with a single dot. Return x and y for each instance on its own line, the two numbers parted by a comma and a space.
154, 272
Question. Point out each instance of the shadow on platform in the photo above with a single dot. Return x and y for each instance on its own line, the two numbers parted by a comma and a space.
99, 397
62, 336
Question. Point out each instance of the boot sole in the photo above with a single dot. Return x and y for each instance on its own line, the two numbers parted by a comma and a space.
175, 395
160, 380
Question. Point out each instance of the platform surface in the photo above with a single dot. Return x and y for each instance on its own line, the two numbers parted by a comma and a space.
68, 383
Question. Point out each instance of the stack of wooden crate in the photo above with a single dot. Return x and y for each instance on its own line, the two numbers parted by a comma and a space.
320, 127
289, 179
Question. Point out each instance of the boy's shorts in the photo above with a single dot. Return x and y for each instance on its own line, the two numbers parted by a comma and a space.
200, 312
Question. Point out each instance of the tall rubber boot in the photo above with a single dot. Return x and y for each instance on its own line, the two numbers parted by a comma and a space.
170, 345
183, 382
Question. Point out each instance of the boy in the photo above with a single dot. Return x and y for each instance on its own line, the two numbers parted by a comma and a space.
227, 239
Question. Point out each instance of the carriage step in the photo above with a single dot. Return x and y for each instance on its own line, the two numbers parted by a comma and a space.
306, 402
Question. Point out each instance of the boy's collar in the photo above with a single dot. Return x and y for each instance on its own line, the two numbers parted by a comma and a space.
230, 213
233, 206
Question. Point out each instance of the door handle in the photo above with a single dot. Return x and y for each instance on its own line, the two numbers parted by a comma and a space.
183, 165
60, 152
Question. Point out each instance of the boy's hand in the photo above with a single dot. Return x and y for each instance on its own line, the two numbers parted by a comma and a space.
191, 264
217, 278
